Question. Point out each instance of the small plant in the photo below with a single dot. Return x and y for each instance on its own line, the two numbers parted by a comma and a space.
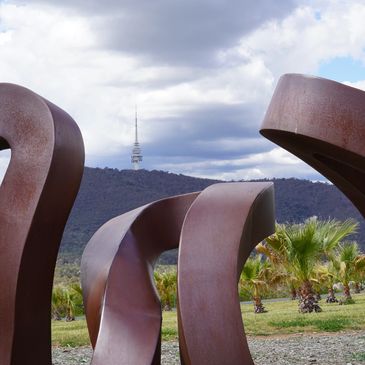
359, 356
66, 302
332, 325
166, 283
169, 333
346, 301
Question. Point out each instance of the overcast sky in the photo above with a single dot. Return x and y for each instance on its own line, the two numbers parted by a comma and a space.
202, 73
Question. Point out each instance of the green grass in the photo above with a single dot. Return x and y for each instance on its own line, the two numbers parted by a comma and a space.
169, 326
282, 318
71, 334
326, 325
359, 356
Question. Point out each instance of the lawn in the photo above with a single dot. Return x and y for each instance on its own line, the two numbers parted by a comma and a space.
72, 334
282, 318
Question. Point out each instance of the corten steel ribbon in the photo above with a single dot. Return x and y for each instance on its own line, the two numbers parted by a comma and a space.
222, 227
122, 307
323, 123
36, 196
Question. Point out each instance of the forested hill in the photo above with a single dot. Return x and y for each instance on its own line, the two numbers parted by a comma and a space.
105, 193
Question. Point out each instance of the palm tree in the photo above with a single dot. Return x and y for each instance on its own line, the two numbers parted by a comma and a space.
277, 255
332, 232
359, 275
72, 296
304, 250
57, 303
76, 297
302, 246
166, 286
326, 275
348, 262
65, 300
254, 277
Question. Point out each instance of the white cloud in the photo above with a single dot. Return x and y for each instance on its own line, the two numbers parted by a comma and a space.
253, 166
193, 105
358, 84
59, 58
4, 162
310, 35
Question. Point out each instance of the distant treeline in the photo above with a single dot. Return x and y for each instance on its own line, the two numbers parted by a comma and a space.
106, 193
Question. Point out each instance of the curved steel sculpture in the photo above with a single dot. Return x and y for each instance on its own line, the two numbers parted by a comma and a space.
122, 307
36, 196
221, 227
322, 122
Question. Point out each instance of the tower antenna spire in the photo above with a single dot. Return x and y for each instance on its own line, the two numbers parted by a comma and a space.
136, 125
136, 157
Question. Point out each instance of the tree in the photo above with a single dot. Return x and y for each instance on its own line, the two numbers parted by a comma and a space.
254, 277
359, 275
348, 262
278, 256
326, 275
300, 248
332, 232
65, 301
166, 286
57, 303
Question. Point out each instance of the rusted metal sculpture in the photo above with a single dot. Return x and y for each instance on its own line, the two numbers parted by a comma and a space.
122, 308
36, 196
323, 123
221, 229
320, 121
222, 226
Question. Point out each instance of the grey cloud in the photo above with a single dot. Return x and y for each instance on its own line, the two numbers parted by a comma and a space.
196, 136
175, 32
186, 33
181, 32
199, 132
185, 165
172, 77
176, 149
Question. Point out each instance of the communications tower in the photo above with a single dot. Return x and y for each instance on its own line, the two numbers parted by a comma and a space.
136, 156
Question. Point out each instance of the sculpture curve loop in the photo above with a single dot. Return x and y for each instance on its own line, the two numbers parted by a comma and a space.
221, 229
36, 196
322, 122
122, 307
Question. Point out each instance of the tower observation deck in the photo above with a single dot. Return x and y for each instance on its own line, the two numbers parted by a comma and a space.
136, 156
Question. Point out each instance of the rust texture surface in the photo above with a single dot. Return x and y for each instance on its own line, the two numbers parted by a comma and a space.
323, 123
221, 229
122, 307
217, 229
36, 196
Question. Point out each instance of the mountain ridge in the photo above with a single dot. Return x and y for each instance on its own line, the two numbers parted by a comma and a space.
106, 193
